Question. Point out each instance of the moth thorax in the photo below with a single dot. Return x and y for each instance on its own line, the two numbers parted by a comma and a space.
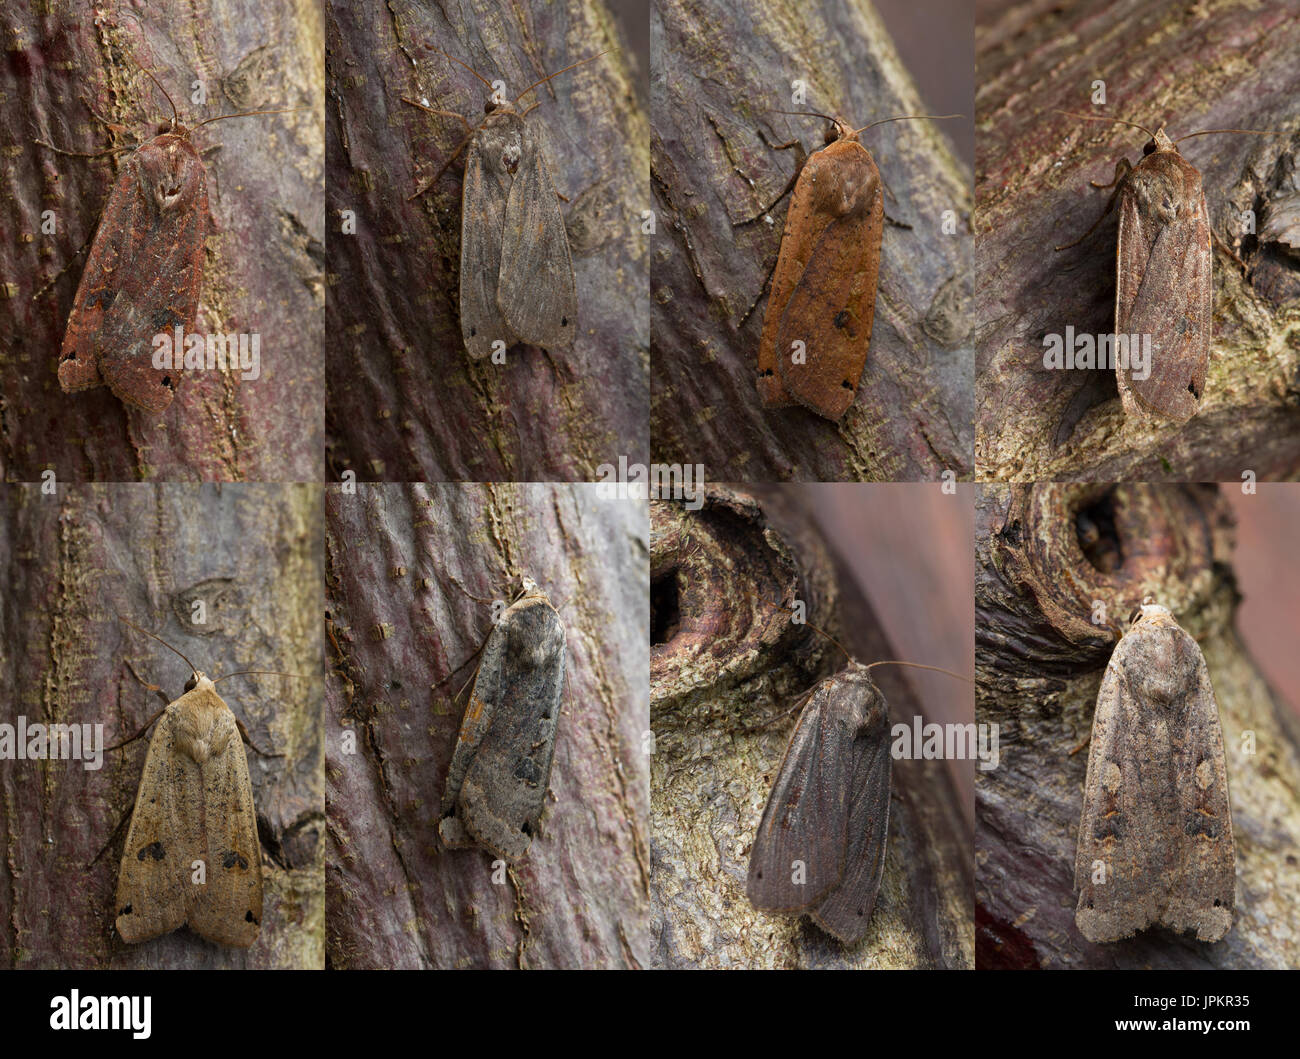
1159, 191
511, 152
847, 192
165, 172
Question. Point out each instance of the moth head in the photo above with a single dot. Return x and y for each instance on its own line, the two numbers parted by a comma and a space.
838, 129
196, 679
1159, 142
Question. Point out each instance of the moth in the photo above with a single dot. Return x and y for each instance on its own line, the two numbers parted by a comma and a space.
820, 845
1164, 285
192, 855
516, 275
145, 271
501, 766
1155, 838
818, 323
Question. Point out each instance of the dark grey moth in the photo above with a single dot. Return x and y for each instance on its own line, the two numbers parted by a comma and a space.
1155, 839
501, 767
820, 846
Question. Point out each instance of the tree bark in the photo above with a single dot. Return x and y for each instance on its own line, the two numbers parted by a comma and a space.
148, 552
1048, 560
265, 250
724, 667
411, 571
406, 402
1159, 63
719, 75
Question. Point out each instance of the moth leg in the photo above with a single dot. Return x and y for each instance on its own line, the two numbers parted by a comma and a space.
469, 129
132, 739
469, 133
111, 838
85, 154
897, 224
113, 125
59, 275
1122, 170
243, 734
1245, 270
762, 291
800, 159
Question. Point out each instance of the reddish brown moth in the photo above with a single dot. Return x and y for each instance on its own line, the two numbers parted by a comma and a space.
516, 275
144, 273
1163, 277
818, 322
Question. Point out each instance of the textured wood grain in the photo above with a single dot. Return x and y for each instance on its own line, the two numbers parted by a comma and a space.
1211, 65
74, 561
264, 261
725, 667
720, 72
412, 571
1048, 560
405, 402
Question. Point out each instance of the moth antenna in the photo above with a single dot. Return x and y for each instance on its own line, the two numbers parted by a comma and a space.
467, 67
823, 632
127, 621
1249, 132
906, 117
175, 117
557, 73
250, 113
261, 673
1097, 117
918, 665
803, 114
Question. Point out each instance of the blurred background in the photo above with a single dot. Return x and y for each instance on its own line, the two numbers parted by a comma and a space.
911, 549
1267, 564
936, 41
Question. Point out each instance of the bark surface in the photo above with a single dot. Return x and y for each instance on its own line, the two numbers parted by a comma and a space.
412, 574
252, 555
265, 255
1195, 66
1050, 559
721, 71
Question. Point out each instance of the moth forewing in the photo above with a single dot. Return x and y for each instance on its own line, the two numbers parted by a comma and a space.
501, 766
192, 854
1164, 283
819, 848
1155, 841
818, 324
142, 277
516, 277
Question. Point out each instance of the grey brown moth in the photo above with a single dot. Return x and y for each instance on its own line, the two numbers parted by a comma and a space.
516, 275
501, 767
1155, 839
820, 846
